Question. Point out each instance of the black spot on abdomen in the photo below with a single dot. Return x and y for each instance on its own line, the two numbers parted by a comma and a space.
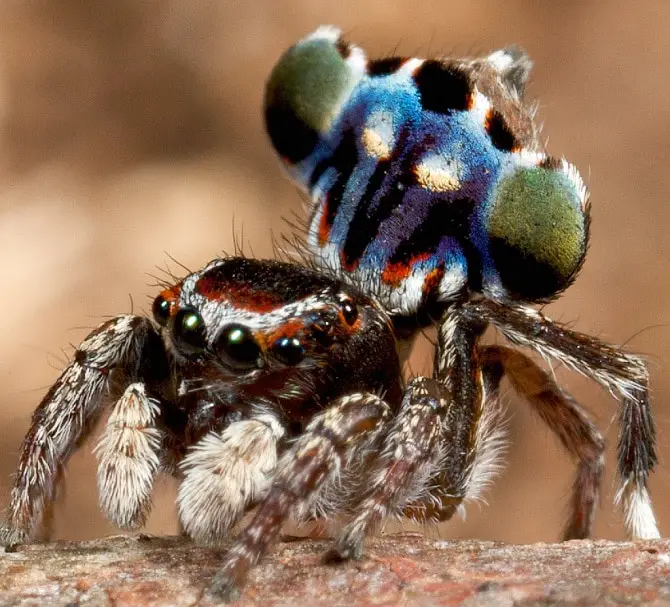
293, 139
365, 222
523, 275
390, 180
343, 160
500, 133
443, 88
384, 67
446, 218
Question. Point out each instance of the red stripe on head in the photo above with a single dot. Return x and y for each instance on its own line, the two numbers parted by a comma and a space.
291, 328
239, 295
171, 295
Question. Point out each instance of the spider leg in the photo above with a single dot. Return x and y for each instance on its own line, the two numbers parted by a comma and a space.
67, 413
623, 374
408, 458
348, 430
128, 455
444, 443
224, 474
571, 424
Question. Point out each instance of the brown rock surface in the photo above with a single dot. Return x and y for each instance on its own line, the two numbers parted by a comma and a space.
403, 569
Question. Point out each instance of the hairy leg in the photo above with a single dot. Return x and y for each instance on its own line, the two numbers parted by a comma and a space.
409, 457
224, 474
623, 374
128, 458
569, 421
475, 441
66, 415
443, 445
348, 430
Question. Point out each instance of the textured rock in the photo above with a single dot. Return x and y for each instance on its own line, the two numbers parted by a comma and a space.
404, 569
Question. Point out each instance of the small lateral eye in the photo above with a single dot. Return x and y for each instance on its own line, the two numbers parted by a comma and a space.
289, 350
238, 349
349, 310
188, 330
161, 310
323, 328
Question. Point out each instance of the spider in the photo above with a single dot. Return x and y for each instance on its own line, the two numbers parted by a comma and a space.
430, 190
268, 385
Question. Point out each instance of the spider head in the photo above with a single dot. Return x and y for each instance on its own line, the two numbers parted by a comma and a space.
274, 326
538, 229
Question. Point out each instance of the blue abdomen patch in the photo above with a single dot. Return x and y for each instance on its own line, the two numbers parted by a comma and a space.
427, 177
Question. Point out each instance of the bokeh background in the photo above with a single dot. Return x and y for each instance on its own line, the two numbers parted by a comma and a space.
131, 132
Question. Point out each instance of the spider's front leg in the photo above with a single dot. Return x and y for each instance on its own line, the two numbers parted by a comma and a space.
128, 455
346, 433
68, 412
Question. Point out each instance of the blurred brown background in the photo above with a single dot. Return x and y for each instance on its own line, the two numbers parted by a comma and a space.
132, 130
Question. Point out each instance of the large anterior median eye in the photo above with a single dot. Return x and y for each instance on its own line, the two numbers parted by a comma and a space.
188, 331
238, 349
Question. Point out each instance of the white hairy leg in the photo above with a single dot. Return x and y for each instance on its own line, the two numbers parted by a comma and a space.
128, 458
224, 474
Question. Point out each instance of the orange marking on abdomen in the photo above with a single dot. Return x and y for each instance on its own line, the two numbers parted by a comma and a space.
324, 226
432, 280
395, 273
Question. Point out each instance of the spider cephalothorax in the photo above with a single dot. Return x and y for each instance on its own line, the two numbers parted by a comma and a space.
239, 358
431, 189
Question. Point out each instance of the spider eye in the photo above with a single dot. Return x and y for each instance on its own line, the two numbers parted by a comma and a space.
161, 310
238, 348
349, 310
189, 331
289, 350
323, 328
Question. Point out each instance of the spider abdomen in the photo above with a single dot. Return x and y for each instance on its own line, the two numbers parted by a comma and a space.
427, 177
